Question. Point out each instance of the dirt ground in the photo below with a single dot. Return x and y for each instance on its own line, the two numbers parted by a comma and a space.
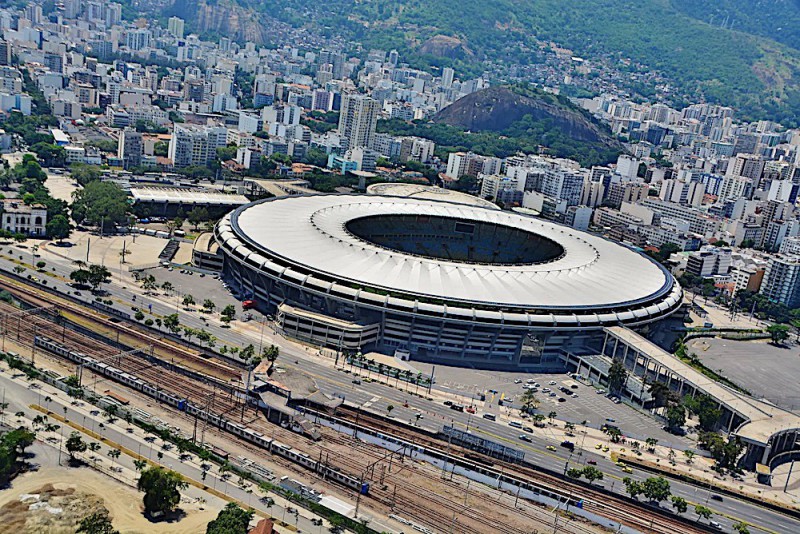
68, 495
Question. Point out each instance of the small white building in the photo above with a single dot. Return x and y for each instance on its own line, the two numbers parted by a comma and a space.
24, 219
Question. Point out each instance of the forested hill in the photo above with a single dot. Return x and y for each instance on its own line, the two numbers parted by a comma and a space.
775, 19
498, 109
502, 121
755, 66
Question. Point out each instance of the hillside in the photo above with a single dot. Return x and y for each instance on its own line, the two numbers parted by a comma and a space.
498, 109
501, 121
754, 67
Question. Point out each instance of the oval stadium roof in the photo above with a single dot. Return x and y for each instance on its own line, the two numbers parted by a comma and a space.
310, 234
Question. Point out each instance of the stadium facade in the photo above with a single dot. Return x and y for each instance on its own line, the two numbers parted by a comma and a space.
440, 281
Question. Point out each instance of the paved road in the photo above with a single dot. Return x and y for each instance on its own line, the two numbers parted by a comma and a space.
378, 397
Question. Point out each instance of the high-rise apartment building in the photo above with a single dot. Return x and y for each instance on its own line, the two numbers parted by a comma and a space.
447, 77
175, 26
782, 280
195, 145
358, 119
137, 39
130, 148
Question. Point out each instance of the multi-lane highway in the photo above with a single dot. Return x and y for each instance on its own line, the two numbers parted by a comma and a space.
378, 397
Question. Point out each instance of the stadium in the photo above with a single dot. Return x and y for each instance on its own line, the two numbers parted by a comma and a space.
436, 281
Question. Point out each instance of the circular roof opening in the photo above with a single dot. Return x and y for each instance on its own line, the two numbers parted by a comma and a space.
456, 240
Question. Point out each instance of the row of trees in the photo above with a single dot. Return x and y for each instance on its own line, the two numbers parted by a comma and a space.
90, 275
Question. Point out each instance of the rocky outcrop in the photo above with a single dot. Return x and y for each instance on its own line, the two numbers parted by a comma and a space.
445, 46
224, 17
496, 109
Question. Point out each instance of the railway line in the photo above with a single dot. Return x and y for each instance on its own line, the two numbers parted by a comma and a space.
109, 326
596, 501
427, 507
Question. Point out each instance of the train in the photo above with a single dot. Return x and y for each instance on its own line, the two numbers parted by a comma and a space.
468, 462
248, 434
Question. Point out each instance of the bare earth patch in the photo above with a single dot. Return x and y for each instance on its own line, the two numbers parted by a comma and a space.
54, 500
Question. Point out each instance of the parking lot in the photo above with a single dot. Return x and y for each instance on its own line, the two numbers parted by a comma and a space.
587, 406
763, 369
200, 287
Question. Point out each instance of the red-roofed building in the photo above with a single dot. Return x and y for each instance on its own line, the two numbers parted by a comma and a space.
263, 527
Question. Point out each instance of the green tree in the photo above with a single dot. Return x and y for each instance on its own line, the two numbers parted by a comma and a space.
529, 401
271, 353
188, 300
161, 490
98, 275
172, 323
725, 452
209, 305
741, 527
705, 408
247, 353
97, 523
197, 215
679, 504
139, 465
703, 512
632, 487
58, 228
660, 393
778, 333
229, 311
84, 174
656, 489
574, 473
591, 473
51, 155
231, 520
161, 149
104, 204
676, 416
75, 444
617, 375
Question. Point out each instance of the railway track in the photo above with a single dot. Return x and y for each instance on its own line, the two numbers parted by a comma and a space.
427, 507
112, 328
602, 503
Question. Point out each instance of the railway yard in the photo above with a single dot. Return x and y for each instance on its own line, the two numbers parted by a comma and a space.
399, 487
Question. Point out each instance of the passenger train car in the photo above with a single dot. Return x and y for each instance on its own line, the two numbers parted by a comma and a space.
183, 404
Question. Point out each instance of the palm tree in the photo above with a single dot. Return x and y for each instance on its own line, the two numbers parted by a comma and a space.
660, 393
114, 454
551, 416
529, 401
139, 465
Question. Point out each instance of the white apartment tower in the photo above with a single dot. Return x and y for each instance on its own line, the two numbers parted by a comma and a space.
175, 26
195, 145
358, 119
